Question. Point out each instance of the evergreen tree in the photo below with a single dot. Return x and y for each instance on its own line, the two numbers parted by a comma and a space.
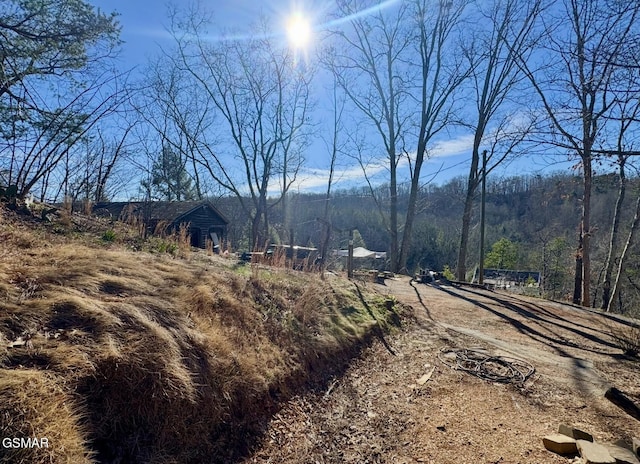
169, 179
54, 84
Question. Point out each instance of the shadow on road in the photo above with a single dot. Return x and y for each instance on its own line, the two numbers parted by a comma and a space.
429, 316
536, 313
543, 326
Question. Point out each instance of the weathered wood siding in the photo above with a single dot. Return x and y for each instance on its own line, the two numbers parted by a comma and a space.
201, 221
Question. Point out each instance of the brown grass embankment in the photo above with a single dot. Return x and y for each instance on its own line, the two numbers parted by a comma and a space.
117, 355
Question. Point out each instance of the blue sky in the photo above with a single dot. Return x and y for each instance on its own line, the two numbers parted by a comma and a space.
143, 32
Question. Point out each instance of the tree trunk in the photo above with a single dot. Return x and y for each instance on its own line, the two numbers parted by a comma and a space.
286, 228
606, 284
577, 286
472, 184
411, 210
586, 231
615, 290
393, 220
196, 177
255, 231
326, 224
265, 224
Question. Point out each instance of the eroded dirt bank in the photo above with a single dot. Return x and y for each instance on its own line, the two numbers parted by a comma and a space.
379, 413
131, 350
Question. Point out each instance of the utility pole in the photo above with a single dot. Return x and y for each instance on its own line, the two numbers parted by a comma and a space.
482, 217
350, 255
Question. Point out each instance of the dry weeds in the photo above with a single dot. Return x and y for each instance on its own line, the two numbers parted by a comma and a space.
626, 336
130, 356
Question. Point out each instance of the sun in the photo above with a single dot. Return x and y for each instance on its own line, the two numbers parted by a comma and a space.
298, 30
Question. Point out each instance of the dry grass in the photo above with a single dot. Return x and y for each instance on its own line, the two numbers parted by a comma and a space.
121, 355
36, 404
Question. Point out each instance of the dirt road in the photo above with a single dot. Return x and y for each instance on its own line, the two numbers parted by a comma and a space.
384, 411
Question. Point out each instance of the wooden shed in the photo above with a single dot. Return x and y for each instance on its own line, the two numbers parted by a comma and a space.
204, 221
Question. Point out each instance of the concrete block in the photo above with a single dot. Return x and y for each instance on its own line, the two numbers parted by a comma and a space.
622, 455
574, 433
560, 444
594, 453
623, 444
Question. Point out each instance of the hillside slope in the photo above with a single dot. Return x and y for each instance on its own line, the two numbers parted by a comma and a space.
116, 355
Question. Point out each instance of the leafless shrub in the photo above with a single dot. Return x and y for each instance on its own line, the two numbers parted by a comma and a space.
627, 337
225, 245
184, 239
279, 258
161, 228
67, 204
131, 217
208, 245
87, 206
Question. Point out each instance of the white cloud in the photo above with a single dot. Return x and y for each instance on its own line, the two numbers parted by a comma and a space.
457, 146
313, 179
316, 179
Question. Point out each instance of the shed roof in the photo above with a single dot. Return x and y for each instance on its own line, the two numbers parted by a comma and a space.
171, 211
360, 252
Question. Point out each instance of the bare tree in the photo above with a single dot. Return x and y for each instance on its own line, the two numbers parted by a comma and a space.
624, 255
614, 236
615, 231
584, 42
176, 117
505, 36
625, 113
39, 143
262, 101
335, 147
89, 171
54, 86
404, 92
107, 155
369, 66
440, 75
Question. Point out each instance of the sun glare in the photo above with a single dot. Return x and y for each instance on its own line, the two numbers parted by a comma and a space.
298, 30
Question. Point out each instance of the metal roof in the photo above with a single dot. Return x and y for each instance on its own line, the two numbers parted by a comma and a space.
171, 211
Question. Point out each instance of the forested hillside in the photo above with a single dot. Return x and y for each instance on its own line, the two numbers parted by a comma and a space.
363, 94
540, 215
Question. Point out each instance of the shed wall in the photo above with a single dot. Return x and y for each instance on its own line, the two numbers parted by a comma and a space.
201, 222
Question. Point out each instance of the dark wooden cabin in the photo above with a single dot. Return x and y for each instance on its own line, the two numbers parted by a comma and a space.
204, 221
